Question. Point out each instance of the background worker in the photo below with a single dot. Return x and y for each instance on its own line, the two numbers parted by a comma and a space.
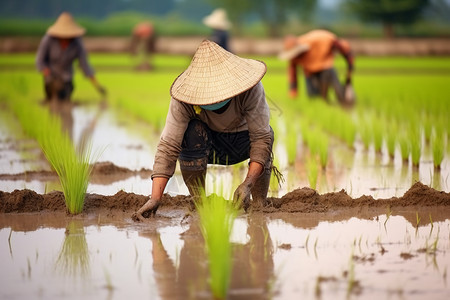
218, 114
219, 23
143, 44
314, 52
58, 49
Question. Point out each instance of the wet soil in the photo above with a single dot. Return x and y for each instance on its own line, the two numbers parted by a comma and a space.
102, 173
419, 198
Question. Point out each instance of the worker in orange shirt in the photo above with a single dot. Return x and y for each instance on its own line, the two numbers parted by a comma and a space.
143, 44
314, 52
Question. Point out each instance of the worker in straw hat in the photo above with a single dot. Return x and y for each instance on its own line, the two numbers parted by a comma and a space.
219, 23
58, 49
218, 114
314, 52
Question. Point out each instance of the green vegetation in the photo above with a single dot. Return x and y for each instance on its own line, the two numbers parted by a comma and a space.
394, 110
217, 217
72, 165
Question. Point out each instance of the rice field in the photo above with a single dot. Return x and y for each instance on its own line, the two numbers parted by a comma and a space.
396, 134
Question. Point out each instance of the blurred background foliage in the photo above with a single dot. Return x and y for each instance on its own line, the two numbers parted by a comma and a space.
257, 18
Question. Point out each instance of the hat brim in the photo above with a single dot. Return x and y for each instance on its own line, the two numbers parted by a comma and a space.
215, 75
293, 52
60, 32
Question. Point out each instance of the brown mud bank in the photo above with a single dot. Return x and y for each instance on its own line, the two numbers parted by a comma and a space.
418, 198
102, 173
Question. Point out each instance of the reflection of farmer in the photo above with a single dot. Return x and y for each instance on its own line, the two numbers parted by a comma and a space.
143, 43
314, 52
220, 25
218, 114
56, 53
252, 268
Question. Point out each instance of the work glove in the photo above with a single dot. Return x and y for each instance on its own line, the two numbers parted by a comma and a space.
241, 196
147, 210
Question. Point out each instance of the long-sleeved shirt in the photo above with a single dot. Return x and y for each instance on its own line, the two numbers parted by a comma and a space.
247, 111
51, 55
320, 55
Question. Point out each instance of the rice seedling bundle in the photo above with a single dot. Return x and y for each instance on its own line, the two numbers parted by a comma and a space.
438, 143
312, 170
73, 168
217, 217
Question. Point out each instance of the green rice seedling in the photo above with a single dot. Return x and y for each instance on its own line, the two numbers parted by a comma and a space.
431, 220
417, 219
378, 132
405, 146
365, 131
438, 148
391, 138
217, 216
312, 171
416, 145
388, 214
291, 142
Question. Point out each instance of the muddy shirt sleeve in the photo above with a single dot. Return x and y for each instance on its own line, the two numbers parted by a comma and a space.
256, 112
83, 60
42, 59
169, 146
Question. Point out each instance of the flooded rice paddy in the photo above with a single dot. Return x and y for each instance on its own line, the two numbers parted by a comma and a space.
300, 256
355, 249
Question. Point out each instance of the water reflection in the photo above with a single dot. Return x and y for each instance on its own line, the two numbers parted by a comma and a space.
73, 258
295, 256
185, 274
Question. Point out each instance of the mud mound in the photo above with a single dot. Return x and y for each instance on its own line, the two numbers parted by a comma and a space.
304, 200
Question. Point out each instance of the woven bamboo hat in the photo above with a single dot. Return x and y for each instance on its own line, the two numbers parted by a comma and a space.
291, 48
65, 27
215, 75
217, 20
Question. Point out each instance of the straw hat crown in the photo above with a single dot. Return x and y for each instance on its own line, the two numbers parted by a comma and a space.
217, 20
215, 75
65, 27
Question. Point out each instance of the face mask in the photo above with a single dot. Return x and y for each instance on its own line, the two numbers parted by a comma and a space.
215, 105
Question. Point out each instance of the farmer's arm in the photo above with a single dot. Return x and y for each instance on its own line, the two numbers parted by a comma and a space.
42, 60
167, 152
292, 76
257, 114
86, 67
344, 48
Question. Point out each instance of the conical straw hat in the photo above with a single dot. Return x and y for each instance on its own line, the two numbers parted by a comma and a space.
291, 48
65, 27
217, 20
215, 75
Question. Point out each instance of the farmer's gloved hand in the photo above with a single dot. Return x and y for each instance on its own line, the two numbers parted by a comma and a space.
241, 196
147, 210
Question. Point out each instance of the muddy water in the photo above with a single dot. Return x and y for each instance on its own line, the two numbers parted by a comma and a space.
278, 256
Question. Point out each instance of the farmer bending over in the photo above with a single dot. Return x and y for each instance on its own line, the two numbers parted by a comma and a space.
58, 49
314, 52
218, 114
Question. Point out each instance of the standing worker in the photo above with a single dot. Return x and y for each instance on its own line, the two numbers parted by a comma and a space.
143, 44
314, 52
58, 49
218, 114
218, 22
